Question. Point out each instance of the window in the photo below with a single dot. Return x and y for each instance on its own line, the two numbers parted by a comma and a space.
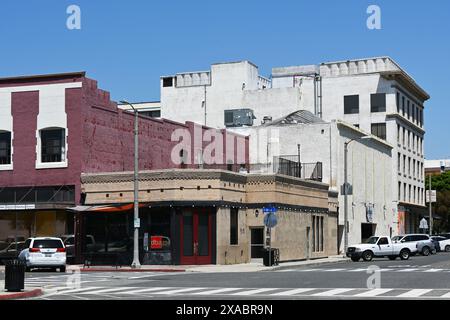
404, 135
404, 164
409, 166
409, 193
409, 139
53, 145
5, 147
398, 133
403, 106
379, 130
356, 125
151, 114
398, 102
234, 226
414, 168
317, 234
408, 109
399, 191
404, 192
383, 241
378, 102
399, 160
168, 82
351, 104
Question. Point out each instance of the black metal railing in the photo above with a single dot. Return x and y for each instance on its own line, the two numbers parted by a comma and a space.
290, 166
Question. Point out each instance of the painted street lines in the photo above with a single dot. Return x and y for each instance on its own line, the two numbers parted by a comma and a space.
365, 270
372, 293
251, 292
292, 292
330, 293
414, 293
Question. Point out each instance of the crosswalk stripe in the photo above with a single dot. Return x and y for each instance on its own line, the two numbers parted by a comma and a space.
358, 270
254, 291
372, 293
292, 292
179, 291
78, 290
110, 290
331, 292
414, 293
309, 270
433, 270
216, 291
407, 270
447, 295
287, 270
147, 290
332, 270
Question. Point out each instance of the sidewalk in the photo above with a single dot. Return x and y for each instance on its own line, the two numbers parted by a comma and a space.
244, 267
27, 293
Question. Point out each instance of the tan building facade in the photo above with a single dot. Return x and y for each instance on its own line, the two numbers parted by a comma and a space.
213, 216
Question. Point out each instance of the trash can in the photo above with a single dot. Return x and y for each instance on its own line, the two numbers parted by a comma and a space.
266, 257
14, 275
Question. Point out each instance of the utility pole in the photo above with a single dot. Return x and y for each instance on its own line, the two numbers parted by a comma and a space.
429, 204
135, 263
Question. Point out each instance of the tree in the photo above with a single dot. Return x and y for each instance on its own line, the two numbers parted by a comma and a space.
441, 183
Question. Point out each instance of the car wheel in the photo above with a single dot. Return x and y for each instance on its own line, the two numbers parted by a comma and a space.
447, 248
392, 257
426, 251
62, 269
404, 254
367, 255
355, 259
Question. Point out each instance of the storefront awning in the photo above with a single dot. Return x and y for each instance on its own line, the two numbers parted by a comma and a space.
105, 208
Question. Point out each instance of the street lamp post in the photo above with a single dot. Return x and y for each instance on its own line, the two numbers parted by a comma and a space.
135, 263
346, 189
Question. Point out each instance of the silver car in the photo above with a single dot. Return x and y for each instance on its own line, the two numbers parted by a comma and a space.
426, 247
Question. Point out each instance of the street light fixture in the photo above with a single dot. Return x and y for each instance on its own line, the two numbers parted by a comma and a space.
135, 263
346, 189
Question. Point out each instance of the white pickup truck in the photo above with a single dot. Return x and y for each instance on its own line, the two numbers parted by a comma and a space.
378, 247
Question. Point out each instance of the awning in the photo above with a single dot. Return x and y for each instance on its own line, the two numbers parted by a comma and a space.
106, 208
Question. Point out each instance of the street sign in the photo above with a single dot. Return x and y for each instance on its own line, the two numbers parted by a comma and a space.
270, 220
269, 209
137, 223
423, 224
433, 196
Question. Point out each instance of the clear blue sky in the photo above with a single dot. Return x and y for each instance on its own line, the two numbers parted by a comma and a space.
128, 45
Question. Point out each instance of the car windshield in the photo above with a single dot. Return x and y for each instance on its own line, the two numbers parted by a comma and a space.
396, 238
372, 240
47, 244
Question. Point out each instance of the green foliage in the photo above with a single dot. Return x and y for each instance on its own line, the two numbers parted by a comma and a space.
441, 183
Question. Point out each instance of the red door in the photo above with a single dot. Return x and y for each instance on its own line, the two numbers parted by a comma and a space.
195, 236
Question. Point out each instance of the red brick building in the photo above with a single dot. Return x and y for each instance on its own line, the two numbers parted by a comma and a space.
55, 127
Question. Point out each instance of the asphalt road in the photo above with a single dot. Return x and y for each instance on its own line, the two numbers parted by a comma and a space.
417, 278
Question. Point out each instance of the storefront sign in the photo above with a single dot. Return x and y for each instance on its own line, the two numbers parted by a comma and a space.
156, 242
18, 207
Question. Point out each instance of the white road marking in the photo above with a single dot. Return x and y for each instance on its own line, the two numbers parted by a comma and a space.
333, 270
254, 291
292, 292
331, 292
414, 293
179, 291
215, 291
147, 290
110, 290
447, 295
372, 293
433, 270
357, 270
407, 270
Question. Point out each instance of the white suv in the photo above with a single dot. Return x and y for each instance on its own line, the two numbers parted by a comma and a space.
44, 252
410, 240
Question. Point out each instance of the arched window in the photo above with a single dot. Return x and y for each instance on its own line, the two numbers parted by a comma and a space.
5, 147
53, 145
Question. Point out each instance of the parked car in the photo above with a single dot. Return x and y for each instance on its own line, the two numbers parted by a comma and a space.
44, 252
427, 247
444, 243
69, 243
445, 235
11, 252
410, 240
378, 247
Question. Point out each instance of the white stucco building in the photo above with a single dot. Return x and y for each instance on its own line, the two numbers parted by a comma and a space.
371, 206
374, 94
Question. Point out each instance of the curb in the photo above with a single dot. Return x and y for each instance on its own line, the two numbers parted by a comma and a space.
130, 270
312, 264
20, 295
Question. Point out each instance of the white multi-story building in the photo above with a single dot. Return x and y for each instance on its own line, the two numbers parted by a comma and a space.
374, 94
280, 145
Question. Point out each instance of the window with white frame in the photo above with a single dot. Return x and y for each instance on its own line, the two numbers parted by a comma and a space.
5, 147
53, 145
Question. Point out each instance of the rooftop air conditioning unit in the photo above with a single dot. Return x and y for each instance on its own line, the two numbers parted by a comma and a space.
239, 117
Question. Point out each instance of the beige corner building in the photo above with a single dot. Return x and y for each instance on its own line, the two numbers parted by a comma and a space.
207, 216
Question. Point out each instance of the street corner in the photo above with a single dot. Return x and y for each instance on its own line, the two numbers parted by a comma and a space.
30, 293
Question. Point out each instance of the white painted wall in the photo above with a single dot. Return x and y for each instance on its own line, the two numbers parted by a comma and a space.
369, 166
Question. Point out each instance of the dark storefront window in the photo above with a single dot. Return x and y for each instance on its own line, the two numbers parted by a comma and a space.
351, 104
24, 195
234, 226
188, 234
5, 147
378, 102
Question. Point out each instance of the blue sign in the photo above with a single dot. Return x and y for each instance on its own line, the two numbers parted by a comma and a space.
269, 209
270, 220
